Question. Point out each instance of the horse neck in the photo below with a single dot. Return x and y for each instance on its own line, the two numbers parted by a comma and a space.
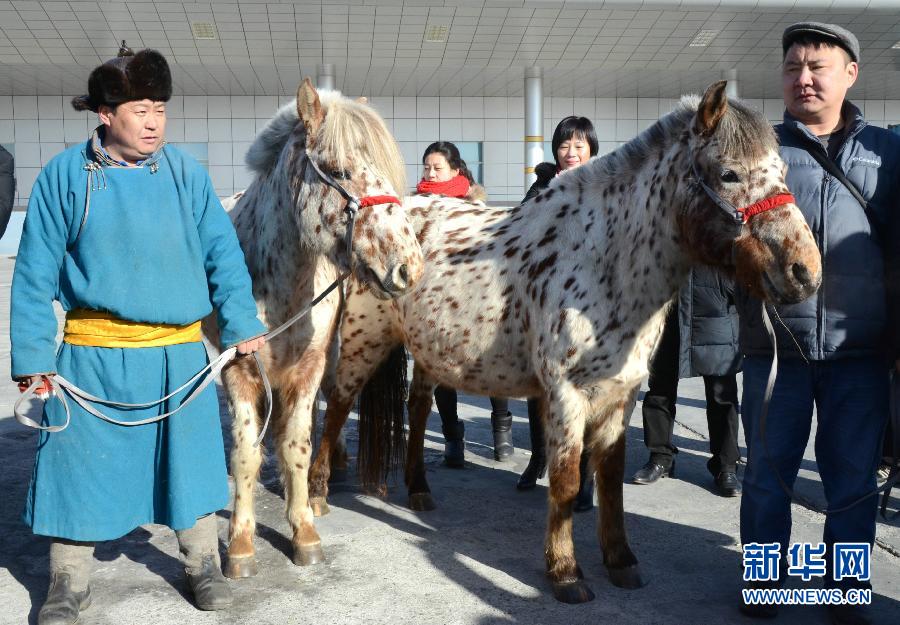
625, 226
278, 245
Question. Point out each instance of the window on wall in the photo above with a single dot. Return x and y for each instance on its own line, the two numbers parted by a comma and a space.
471, 152
200, 151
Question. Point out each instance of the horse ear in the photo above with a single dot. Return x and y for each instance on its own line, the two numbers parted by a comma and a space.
712, 108
309, 107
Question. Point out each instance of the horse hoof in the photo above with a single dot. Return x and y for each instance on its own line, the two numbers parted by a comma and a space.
572, 592
421, 502
319, 506
337, 475
307, 555
628, 577
238, 567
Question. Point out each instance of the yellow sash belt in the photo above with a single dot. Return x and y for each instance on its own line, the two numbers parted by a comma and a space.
99, 329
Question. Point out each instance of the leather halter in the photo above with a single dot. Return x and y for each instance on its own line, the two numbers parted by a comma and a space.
741, 215
353, 203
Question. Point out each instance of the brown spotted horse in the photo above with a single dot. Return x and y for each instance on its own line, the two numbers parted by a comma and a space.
292, 223
564, 298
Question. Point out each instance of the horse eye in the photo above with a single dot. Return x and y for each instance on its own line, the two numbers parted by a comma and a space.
729, 175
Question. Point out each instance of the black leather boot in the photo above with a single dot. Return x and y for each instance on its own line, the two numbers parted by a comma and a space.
537, 465
210, 588
455, 446
503, 444
584, 501
63, 606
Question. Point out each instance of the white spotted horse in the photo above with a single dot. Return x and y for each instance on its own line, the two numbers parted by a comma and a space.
314, 158
564, 297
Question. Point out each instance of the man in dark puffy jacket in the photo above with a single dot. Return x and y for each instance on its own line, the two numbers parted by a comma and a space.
7, 187
834, 348
700, 338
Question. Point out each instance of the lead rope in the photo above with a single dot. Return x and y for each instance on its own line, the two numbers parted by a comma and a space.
58, 383
764, 413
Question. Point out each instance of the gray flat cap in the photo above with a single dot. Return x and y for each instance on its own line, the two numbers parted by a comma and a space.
839, 35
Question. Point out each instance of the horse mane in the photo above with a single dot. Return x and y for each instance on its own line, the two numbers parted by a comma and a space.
353, 132
742, 132
268, 144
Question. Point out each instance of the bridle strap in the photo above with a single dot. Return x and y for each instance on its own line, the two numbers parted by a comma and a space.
740, 215
353, 204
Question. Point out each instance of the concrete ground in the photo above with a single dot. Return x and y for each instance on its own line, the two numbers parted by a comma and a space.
477, 559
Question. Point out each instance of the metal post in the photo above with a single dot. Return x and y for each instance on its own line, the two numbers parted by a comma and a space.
731, 89
534, 122
325, 76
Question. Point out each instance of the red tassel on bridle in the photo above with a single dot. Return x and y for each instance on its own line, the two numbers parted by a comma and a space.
375, 200
764, 205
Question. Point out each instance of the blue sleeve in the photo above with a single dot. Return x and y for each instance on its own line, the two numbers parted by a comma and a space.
36, 278
230, 288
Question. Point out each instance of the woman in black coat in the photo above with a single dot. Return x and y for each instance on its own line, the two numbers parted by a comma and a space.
574, 143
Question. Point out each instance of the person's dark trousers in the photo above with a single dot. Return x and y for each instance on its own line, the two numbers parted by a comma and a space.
658, 409
445, 398
722, 420
499, 405
851, 401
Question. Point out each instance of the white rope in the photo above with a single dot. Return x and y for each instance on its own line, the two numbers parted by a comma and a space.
60, 386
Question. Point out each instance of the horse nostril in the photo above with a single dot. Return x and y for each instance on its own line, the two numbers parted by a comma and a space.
801, 273
403, 275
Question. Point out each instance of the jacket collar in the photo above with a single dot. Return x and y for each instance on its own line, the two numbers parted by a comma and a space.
853, 118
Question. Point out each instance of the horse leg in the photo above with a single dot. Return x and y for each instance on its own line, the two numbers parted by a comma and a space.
337, 445
608, 458
420, 394
355, 364
244, 389
565, 434
294, 445
340, 461
335, 417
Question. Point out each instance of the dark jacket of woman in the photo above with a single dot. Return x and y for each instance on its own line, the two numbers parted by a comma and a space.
545, 172
708, 325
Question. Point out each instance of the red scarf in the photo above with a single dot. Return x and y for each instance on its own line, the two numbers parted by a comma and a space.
457, 186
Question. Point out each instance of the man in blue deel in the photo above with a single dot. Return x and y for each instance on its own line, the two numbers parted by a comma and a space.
127, 234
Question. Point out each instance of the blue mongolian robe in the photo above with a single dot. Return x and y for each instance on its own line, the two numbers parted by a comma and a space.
150, 244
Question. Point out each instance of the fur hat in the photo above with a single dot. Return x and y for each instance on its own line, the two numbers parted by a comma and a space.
128, 77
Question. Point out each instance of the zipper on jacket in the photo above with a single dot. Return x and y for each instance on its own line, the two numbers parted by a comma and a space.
820, 303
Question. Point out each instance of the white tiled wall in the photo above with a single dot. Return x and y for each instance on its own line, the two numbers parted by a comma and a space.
40, 126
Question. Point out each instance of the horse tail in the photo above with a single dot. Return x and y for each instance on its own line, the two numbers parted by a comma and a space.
382, 440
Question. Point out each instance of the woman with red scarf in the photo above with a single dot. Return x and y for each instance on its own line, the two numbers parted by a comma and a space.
445, 173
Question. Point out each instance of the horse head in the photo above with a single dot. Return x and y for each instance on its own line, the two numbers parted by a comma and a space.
343, 153
741, 215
